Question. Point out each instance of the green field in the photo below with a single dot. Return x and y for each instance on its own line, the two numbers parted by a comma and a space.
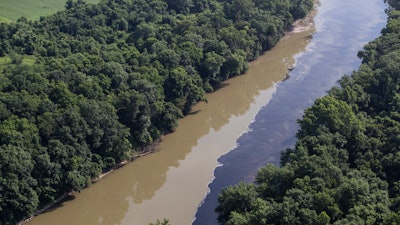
24, 59
11, 10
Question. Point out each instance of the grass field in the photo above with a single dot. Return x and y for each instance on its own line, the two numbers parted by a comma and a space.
11, 10
25, 59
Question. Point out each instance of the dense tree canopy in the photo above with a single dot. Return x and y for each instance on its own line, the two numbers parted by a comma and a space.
88, 87
345, 166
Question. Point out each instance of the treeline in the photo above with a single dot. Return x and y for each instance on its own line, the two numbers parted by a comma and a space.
345, 166
91, 86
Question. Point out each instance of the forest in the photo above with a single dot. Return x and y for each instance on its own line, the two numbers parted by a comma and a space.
345, 165
92, 86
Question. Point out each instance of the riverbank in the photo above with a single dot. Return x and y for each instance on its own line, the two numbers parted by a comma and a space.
305, 23
102, 84
342, 29
146, 151
154, 147
318, 165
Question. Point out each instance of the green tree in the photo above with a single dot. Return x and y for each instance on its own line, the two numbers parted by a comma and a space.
19, 198
239, 199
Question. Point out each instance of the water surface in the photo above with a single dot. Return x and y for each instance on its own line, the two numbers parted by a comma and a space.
172, 182
343, 27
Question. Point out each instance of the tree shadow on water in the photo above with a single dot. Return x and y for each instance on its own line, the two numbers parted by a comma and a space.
60, 203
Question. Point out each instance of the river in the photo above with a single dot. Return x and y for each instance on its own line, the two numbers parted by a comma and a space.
342, 29
172, 182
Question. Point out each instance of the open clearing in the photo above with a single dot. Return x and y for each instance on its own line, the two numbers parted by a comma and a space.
11, 10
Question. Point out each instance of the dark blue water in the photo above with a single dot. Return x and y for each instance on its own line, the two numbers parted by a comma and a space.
343, 27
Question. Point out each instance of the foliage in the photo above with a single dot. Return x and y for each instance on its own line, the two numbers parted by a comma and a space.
164, 222
345, 166
86, 88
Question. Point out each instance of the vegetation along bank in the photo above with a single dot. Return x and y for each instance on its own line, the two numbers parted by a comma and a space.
91, 86
345, 166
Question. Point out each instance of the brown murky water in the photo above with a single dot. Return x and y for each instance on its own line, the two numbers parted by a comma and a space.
342, 28
172, 182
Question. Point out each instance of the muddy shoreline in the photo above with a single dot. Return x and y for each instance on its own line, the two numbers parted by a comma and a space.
146, 151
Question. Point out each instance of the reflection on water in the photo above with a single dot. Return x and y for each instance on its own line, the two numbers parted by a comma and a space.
173, 181
342, 28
